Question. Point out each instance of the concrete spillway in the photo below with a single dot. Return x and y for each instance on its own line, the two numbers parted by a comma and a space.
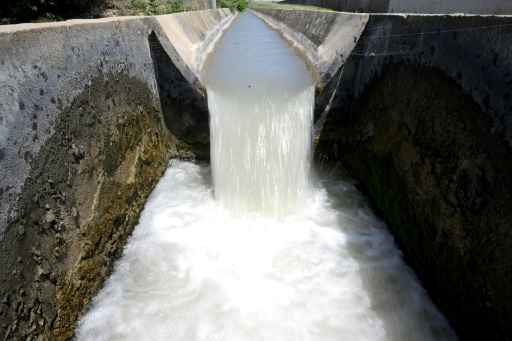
89, 121
258, 249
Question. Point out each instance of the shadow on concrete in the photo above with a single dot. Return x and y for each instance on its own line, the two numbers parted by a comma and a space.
184, 107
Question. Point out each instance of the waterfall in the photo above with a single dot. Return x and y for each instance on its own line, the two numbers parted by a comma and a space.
261, 150
261, 116
211, 262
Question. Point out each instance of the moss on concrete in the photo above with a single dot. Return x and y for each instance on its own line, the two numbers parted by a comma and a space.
107, 237
86, 189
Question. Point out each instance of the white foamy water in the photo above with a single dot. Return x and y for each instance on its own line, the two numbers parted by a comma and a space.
192, 272
264, 254
260, 97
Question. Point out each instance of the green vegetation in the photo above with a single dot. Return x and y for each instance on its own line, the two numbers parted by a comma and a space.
152, 7
233, 5
19, 11
267, 4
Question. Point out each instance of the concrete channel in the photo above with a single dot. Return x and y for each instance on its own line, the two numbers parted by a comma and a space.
418, 106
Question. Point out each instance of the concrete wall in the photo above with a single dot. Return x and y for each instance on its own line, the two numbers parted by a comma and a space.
83, 139
421, 112
37, 79
195, 5
365, 6
413, 6
91, 111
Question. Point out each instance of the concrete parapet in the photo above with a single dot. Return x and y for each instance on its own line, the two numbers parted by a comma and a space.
450, 7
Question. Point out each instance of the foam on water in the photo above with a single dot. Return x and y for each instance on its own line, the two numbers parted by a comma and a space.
192, 272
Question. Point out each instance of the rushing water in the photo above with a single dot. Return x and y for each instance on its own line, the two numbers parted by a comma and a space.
209, 262
261, 119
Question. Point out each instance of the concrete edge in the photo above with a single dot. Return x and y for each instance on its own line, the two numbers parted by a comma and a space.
72, 22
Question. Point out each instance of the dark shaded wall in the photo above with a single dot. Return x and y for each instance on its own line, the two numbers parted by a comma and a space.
422, 114
184, 106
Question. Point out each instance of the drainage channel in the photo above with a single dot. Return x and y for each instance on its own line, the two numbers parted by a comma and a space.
259, 244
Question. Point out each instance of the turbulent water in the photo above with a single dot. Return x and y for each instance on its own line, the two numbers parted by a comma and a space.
260, 97
252, 248
193, 272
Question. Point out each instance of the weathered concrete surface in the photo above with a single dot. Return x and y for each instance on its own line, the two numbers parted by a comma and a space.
472, 50
422, 113
324, 39
413, 6
83, 140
